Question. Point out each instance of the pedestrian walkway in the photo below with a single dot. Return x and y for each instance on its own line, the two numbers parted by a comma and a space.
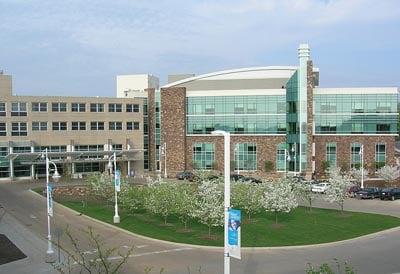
29, 244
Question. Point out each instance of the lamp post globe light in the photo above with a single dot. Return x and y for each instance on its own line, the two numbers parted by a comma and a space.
110, 166
50, 255
227, 194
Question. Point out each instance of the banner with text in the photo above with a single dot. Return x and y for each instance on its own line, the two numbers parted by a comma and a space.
234, 227
117, 180
50, 200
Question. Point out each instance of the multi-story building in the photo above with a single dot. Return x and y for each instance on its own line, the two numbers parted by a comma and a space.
278, 117
80, 133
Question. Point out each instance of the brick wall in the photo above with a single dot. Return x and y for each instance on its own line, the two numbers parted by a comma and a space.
343, 150
266, 150
173, 128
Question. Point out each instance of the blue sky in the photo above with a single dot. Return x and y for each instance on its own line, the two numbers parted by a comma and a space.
78, 47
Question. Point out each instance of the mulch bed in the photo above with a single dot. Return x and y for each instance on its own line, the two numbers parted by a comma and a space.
8, 251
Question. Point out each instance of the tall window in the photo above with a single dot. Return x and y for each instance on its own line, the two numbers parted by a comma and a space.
18, 109
331, 154
203, 156
355, 161
114, 107
78, 125
380, 156
59, 126
115, 125
132, 108
78, 107
39, 126
132, 125
59, 107
19, 129
3, 110
246, 156
96, 125
3, 129
97, 107
4, 164
281, 157
39, 107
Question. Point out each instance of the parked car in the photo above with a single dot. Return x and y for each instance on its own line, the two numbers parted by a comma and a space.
353, 190
237, 177
390, 194
185, 175
320, 188
368, 193
253, 180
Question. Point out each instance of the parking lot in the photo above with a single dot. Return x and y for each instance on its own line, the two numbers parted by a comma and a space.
365, 205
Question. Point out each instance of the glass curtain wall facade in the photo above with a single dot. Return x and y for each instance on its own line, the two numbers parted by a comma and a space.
260, 114
4, 163
292, 118
355, 113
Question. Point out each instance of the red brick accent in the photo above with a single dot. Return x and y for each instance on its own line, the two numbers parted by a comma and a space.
173, 128
343, 150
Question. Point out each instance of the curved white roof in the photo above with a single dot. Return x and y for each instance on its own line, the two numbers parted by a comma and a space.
242, 73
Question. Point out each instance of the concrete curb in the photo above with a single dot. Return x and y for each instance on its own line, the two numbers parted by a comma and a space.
367, 236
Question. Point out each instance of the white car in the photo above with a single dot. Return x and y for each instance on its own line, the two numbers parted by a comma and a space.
320, 188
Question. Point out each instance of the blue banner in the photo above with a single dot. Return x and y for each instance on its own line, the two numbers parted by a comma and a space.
117, 181
234, 232
50, 200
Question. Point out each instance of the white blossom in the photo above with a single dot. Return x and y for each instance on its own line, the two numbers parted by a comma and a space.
279, 197
210, 204
388, 173
247, 196
338, 189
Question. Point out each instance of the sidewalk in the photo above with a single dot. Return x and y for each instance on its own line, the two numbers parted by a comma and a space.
30, 244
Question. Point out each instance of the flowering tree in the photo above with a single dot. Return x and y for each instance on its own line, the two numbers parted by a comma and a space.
279, 197
185, 203
303, 190
247, 196
161, 200
388, 173
358, 174
101, 186
132, 197
339, 185
210, 204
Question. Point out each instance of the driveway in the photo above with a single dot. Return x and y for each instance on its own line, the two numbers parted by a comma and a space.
370, 254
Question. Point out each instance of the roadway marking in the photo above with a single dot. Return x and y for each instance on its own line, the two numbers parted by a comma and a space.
33, 216
143, 254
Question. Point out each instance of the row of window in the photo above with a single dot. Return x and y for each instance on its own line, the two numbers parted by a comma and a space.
356, 154
21, 129
245, 155
20, 108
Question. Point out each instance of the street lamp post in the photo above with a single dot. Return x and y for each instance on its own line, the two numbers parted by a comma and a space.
294, 150
165, 159
50, 255
362, 165
110, 166
227, 194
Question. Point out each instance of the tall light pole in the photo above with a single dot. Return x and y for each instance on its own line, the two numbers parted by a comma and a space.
294, 150
165, 159
362, 165
50, 255
110, 166
227, 194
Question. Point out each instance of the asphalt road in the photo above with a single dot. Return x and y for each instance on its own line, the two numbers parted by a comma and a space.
375, 254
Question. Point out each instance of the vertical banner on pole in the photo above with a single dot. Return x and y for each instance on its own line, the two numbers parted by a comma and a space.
117, 180
234, 227
50, 201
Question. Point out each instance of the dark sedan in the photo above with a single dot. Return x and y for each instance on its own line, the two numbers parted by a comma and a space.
368, 193
390, 194
185, 175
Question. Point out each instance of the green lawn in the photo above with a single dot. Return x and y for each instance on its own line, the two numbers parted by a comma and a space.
299, 227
